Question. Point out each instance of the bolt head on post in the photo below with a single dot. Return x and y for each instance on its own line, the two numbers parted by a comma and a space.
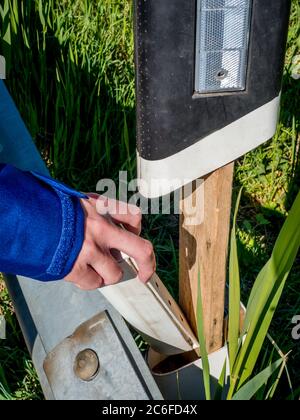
86, 365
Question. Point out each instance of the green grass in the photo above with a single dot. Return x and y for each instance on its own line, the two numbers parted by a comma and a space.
18, 379
71, 73
270, 177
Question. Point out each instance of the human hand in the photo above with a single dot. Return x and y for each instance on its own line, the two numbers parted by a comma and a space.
96, 266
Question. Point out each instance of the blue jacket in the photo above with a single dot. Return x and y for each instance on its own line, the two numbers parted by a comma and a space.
41, 225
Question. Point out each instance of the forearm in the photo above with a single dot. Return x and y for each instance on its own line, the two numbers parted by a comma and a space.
42, 225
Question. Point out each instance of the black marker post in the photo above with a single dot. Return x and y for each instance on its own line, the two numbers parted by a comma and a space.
208, 91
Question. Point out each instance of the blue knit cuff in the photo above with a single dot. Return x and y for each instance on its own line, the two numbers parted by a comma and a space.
42, 225
72, 233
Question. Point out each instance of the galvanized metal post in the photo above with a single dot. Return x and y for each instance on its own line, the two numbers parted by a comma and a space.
62, 325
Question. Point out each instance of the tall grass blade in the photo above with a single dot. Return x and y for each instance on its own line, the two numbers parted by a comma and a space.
234, 293
221, 383
202, 342
266, 294
273, 388
248, 391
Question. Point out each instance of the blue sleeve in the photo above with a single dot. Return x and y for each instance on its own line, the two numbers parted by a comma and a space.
41, 225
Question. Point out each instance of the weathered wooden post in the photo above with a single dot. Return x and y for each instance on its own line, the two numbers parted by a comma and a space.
203, 251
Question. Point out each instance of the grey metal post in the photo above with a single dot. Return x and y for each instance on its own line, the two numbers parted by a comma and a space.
62, 324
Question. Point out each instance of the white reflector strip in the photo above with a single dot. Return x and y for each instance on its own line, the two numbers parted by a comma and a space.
160, 177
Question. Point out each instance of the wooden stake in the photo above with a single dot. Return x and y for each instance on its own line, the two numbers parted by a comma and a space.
204, 246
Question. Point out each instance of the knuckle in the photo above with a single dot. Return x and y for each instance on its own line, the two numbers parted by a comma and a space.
135, 212
151, 271
105, 259
115, 277
138, 218
148, 250
100, 226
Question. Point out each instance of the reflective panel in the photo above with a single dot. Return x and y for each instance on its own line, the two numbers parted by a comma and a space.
223, 28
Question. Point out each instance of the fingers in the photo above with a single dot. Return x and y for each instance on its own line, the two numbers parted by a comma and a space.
137, 248
107, 268
95, 265
127, 214
89, 279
